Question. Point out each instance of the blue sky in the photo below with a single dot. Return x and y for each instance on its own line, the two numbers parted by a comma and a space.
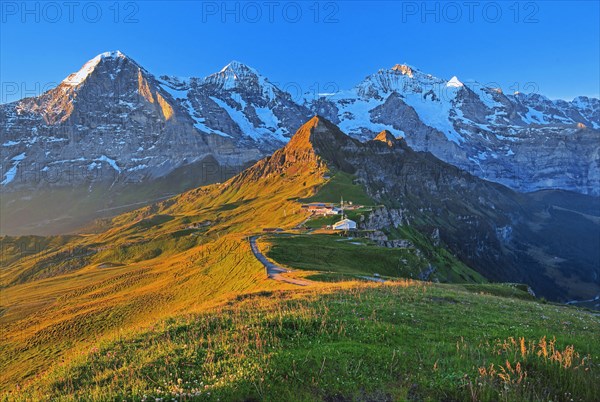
544, 46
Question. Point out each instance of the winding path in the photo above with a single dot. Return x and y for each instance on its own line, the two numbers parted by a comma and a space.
274, 271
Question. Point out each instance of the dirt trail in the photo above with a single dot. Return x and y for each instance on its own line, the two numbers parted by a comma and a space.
274, 271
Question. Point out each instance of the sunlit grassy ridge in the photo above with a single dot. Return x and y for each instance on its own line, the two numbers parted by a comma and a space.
150, 264
397, 341
44, 319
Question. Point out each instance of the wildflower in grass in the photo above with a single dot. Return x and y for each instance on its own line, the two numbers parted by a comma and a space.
542, 356
523, 347
543, 348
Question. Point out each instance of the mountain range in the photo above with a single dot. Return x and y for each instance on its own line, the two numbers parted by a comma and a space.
113, 136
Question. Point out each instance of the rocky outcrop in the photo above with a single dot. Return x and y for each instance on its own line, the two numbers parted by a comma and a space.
383, 217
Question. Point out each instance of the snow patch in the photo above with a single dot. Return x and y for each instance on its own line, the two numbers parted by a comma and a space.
534, 116
80, 159
454, 83
199, 122
176, 93
138, 167
80, 76
267, 116
111, 162
12, 172
256, 133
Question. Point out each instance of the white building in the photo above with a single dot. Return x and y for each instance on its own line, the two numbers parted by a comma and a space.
344, 224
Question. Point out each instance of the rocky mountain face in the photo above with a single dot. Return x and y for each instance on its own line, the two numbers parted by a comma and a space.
111, 120
527, 142
239, 103
113, 123
503, 234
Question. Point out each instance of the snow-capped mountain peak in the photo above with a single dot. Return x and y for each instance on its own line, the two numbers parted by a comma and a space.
238, 68
402, 78
80, 76
239, 78
233, 75
113, 54
405, 69
454, 83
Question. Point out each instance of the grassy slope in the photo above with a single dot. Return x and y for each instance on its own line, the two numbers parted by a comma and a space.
340, 185
455, 270
328, 253
331, 253
406, 340
65, 298
75, 206
304, 253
